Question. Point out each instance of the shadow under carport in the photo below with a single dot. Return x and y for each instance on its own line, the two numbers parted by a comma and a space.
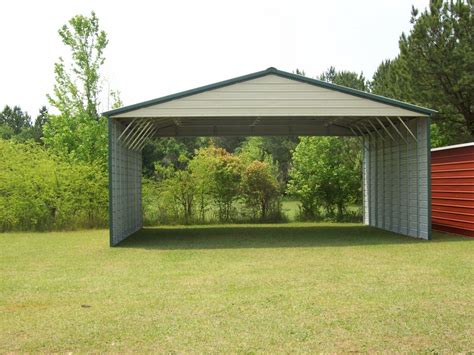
270, 236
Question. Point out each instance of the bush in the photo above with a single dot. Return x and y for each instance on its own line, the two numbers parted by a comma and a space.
220, 174
326, 174
260, 190
40, 191
213, 186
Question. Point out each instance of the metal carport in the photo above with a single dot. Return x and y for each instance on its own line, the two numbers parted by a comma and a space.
396, 169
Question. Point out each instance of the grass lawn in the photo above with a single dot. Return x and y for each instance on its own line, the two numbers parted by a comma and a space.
240, 288
291, 209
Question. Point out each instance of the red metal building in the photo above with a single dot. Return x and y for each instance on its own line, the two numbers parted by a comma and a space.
452, 189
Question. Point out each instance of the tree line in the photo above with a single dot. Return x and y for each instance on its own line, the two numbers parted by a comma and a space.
42, 158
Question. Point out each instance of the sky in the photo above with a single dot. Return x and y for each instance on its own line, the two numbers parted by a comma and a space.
158, 48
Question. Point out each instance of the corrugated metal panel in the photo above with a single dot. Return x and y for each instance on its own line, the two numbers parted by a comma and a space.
396, 181
452, 189
125, 179
270, 95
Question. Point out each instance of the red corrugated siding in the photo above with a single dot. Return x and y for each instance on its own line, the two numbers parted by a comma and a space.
452, 190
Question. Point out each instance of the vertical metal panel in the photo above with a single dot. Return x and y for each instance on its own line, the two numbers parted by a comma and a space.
366, 179
109, 157
125, 173
395, 193
373, 180
424, 176
453, 190
400, 193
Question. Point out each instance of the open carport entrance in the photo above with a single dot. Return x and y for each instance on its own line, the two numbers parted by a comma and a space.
395, 135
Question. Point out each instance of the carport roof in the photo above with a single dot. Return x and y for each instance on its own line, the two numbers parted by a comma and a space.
280, 73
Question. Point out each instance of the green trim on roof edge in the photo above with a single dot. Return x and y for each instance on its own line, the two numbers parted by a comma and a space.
283, 74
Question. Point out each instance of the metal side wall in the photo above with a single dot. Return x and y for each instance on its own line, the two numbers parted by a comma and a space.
125, 179
396, 180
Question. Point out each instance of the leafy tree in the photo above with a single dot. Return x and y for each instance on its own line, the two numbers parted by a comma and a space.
167, 152
303, 183
253, 149
434, 69
224, 175
77, 138
77, 90
6, 132
181, 187
439, 57
276, 151
200, 167
15, 119
14, 123
391, 79
40, 122
116, 99
325, 175
79, 132
345, 78
260, 188
230, 144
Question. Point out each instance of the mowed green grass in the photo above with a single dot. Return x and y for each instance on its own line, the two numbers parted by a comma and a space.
237, 288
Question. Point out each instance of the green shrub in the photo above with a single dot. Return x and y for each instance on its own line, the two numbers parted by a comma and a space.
219, 174
326, 174
260, 190
40, 191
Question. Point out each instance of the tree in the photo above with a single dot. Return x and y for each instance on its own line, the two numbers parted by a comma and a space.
325, 174
230, 144
40, 122
392, 79
439, 57
77, 90
276, 151
79, 132
77, 138
181, 187
223, 179
167, 151
260, 188
200, 167
15, 119
345, 78
303, 184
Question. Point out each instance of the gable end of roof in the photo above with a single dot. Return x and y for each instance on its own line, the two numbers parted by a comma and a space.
274, 71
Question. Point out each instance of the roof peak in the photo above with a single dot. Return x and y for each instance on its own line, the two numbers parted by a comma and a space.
274, 71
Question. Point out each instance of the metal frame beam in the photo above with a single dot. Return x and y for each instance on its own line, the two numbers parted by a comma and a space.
396, 129
408, 129
385, 128
145, 130
376, 130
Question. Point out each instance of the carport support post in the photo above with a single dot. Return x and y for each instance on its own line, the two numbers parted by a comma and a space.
125, 174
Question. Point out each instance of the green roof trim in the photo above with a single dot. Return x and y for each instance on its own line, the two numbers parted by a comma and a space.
280, 73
